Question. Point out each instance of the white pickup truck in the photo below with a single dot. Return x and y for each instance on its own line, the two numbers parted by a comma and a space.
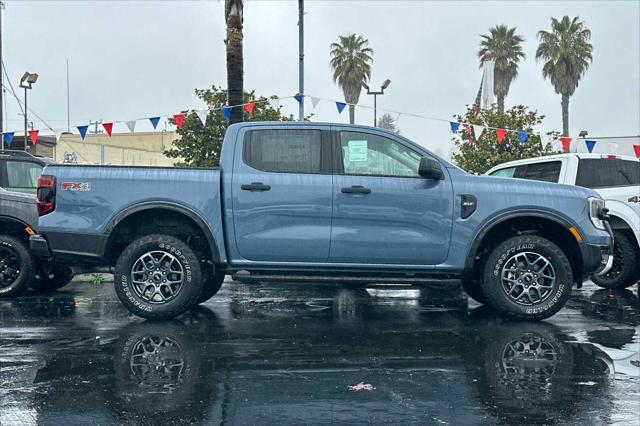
617, 179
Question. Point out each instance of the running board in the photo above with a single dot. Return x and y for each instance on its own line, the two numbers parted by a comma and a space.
248, 276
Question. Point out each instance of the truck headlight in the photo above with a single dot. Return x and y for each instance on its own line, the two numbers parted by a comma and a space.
597, 212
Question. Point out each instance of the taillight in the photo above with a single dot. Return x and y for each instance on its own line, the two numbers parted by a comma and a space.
46, 195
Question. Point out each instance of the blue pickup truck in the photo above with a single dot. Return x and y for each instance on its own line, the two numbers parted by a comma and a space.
321, 202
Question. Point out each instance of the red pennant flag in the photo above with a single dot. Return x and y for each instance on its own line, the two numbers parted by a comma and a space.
179, 119
108, 127
500, 134
636, 149
33, 135
249, 107
566, 143
467, 130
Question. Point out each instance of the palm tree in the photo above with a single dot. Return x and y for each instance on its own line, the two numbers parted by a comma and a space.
233, 11
567, 52
504, 47
351, 63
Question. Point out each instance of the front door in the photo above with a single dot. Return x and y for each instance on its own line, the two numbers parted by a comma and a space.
383, 211
282, 191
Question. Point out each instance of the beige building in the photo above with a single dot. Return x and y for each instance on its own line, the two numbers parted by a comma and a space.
128, 149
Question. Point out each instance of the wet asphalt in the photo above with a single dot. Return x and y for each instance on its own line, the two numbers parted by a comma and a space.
318, 354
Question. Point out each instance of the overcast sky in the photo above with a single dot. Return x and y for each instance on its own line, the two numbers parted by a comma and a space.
138, 59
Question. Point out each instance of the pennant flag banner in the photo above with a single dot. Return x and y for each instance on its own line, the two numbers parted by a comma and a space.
477, 131
467, 130
33, 136
226, 111
179, 119
500, 134
636, 149
298, 97
590, 144
108, 127
131, 125
314, 101
202, 115
566, 143
8, 138
454, 126
340, 106
83, 131
154, 121
522, 136
250, 107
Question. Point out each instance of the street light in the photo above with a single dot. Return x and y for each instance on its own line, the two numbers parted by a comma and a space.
26, 82
386, 84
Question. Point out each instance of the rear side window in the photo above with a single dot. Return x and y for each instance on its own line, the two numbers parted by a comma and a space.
508, 172
546, 172
607, 173
22, 176
284, 150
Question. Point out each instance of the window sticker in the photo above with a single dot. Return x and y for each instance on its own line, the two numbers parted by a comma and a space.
357, 151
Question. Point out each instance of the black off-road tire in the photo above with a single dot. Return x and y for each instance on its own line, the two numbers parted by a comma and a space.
552, 302
17, 265
474, 290
626, 264
57, 277
184, 299
211, 285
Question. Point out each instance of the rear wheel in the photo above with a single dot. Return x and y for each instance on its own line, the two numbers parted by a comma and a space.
16, 266
527, 278
626, 267
158, 277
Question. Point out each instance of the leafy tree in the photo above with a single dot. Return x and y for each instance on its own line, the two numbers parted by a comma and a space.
386, 121
503, 46
567, 54
351, 64
233, 16
478, 156
198, 145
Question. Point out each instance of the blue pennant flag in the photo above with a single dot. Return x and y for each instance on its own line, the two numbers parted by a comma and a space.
298, 97
522, 136
454, 126
590, 144
154, 121
226, 111
8, 138
83, 131
340, 106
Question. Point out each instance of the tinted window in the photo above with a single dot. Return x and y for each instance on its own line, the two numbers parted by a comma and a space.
365, 154
284, 150
508, 172
605, 172
545, 172
22, 176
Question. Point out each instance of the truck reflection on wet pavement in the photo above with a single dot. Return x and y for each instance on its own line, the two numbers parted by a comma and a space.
294, 354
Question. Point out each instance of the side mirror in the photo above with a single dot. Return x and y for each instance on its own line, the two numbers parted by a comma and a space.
430, 169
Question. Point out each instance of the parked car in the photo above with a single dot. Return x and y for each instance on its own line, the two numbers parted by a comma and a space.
617, 180
303, 201
19, 269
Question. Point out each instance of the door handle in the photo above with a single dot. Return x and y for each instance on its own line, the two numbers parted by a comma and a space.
255, 186
634, 199
356, 189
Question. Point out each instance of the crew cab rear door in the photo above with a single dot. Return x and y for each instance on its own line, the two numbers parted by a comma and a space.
282, 194
383, 212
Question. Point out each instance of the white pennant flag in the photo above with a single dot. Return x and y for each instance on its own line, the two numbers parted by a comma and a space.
275, 103
58, 133
202, 115
131, 125
477, 131
314, 101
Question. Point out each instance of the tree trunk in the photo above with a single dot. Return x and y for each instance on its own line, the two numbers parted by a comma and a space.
235, 68
565, 115
501, 103
352, 114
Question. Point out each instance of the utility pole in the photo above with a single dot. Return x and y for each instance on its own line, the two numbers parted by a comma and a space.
95, 124
301, 57
68, 115
1, 80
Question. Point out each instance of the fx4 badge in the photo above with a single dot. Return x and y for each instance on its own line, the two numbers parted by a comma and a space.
75, 186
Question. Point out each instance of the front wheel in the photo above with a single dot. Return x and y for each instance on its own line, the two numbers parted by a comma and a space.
626, 269
527, 278
158, 277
